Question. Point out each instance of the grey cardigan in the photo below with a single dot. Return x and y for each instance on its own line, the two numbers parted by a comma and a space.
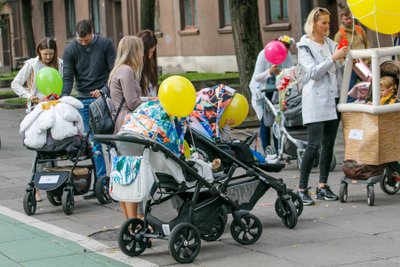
318, 92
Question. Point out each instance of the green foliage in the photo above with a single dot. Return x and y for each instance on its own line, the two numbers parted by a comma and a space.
9, 75
7, 94
15, 101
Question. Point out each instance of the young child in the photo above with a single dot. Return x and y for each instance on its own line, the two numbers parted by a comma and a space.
388, 91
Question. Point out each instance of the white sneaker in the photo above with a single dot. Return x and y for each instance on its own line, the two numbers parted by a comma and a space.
271, 158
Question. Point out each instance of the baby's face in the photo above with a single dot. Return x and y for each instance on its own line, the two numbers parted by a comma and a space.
385, 91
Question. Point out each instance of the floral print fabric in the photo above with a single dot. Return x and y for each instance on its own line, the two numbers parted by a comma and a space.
210, 105
151, 120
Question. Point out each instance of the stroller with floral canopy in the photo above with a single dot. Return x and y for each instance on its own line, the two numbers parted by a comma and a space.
205, 138
156, 140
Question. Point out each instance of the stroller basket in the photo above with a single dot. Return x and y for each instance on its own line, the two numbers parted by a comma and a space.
208, 207
246, 193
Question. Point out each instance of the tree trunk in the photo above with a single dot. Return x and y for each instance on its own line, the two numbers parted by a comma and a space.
247, 39
147, 9
28, 27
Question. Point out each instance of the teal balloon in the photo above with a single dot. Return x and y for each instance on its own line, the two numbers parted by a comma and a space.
48, 81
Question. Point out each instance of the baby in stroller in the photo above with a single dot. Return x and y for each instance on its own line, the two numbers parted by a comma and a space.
54, 130
155, 140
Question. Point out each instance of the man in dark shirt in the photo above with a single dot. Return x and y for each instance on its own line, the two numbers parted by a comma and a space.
89, 59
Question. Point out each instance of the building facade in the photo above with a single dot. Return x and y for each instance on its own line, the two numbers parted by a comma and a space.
193, 35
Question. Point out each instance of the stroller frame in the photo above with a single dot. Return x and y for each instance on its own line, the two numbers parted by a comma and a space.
60, 186
288, 205
185, 231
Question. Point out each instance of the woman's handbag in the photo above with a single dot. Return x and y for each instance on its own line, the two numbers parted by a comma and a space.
101, 112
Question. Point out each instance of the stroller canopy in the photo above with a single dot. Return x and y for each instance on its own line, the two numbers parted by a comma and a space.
151, 120
210, 105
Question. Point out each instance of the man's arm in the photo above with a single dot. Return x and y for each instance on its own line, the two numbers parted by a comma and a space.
68, 72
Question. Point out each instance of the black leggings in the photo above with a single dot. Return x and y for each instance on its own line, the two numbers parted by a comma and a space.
320, 135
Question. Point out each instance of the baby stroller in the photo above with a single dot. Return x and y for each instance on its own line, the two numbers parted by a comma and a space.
252, 185
202, 214
61, 183
288, 124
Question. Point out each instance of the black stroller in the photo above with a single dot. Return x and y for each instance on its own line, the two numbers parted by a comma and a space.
248, 188
61, 183
203, 212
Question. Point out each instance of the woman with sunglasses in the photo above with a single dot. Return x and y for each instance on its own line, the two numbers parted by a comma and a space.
319, 58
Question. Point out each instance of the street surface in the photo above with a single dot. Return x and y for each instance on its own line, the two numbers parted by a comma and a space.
327, 234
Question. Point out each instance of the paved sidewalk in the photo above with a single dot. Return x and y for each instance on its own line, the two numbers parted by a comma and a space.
34, 244
327, 234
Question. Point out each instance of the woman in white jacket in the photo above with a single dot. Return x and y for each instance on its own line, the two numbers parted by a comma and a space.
319, 57
47, 56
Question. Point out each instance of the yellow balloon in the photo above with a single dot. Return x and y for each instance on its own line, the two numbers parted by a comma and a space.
236, 110
177, 96
378, 15
186, 149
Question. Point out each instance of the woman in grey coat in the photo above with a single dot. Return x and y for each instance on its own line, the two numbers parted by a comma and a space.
319, 57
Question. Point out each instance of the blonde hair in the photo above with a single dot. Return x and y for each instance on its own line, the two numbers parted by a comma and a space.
387, 82
313, 17
130, 52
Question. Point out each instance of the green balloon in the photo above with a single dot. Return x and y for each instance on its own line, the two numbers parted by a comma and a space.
48, 81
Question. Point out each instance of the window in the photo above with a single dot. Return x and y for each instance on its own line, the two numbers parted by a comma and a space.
48, 19
188, 14
70, 17
95, 15
225, 23
278, 11
276, 15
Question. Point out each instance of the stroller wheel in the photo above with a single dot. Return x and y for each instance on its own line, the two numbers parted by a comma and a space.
54, 200
343, 192
287, 211
101, 190
131, 239
216, 230
68, 203
297, 201
29, 202
184, 242
387, 186
333, 163
371, 195
250, 233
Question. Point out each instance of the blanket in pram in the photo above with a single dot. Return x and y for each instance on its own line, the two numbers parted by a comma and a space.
60, 116
151, 120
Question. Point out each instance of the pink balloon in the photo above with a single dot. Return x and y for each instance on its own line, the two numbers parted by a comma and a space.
275, 52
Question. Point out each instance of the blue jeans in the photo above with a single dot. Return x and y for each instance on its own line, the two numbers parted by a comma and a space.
97, 149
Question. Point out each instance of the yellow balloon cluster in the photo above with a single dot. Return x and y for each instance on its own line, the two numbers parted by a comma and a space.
378, 15
177, 96
236, 110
